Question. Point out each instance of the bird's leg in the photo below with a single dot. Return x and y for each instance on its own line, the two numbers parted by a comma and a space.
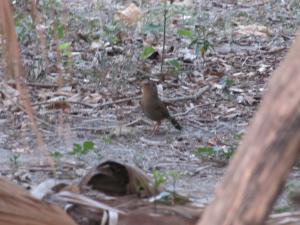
157, 127
154, 128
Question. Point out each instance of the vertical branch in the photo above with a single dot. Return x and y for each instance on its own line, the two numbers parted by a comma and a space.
164, 37
59, 66
69, 66
33, 11
36, 18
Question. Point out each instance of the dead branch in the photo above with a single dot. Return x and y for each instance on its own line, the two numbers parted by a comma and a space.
23, 109
68, 102
18, 207
189, 97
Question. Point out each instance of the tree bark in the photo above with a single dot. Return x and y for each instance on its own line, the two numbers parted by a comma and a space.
266, 155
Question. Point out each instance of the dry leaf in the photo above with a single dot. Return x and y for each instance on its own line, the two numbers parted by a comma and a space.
131, 15
18, 207
63, 105
252, 29
115, 179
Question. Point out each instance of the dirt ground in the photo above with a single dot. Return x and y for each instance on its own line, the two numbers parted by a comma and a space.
249, 40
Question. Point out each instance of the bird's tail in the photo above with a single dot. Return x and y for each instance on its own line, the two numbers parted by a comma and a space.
175, 123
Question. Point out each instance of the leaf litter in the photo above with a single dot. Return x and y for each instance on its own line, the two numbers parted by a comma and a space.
213, 95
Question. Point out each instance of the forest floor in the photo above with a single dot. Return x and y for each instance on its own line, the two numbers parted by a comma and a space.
213, 96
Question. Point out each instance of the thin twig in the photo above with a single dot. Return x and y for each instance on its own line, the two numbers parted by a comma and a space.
94, 130
38, 85
164, 37
117, 102
70, 102
189, 97
23, 109
191, 109
137, 121
107, 128
151, 142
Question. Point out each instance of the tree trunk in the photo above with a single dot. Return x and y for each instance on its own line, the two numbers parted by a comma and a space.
266, 155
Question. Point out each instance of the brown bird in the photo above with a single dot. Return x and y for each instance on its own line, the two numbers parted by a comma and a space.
154, 108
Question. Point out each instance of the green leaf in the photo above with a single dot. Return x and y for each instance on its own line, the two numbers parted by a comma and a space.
64, 46
206, 45
242, 14
229, 83
77, 149
147, 52
175, 175
228, 153
83, 149
205, 151
60, 31
185, 32
88, 145
194, 42
56, 155
175, 64
107, 139
159, 178
110, 28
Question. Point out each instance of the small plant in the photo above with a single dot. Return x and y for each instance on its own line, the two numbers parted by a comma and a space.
15, 160
147, 52
185, 32
201, 41
226, 85
199, 38
81, 150
175, 177
205, 151
229, 83
64, 48
282, 209
60, 30
228, 153
110, 32
238, 136
215, 153
175, 66
204, 47
159, 179
107, 139
56, 155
